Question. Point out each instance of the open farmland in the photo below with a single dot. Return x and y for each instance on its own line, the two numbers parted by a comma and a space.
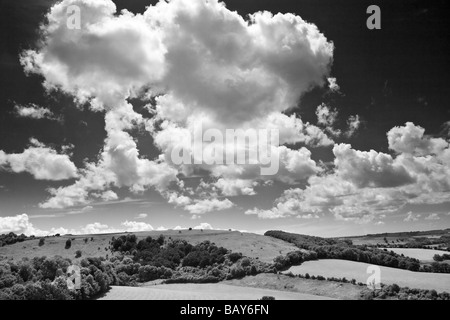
424, 255
358, 271
202, 292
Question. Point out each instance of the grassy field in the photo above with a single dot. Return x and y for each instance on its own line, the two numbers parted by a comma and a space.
251, 245
335, 290
424, 255
357, 271
202, 292
398, 237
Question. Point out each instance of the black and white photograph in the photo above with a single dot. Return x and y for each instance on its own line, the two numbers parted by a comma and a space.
224, 150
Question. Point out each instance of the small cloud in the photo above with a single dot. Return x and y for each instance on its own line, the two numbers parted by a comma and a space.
411, 217
353, 123
332, 85
83, 210
133, 226
33, 111
327, 118
202, 226
433, 216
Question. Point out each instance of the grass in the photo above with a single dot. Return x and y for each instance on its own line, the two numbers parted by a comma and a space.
424, 255
202, 292
335, 290
251, 245
358, 271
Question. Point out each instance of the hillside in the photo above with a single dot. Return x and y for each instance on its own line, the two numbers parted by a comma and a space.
250, 245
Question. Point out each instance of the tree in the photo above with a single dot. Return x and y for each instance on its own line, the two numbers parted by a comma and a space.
438, 258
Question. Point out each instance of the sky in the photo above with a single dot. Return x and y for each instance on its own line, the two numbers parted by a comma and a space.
90, 116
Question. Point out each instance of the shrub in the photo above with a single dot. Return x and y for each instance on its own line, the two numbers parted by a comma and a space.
41, 242
78, 254
68, 244
234, 256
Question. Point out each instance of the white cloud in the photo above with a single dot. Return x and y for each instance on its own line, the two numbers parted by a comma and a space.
411, 139
353, 123
34, 112
209, 205
369, 169
21, 224
109, 196
433, 216
18, 224
282, 210
411, 217
82, 210
239, 73
203, 226
133, 226
96, 228
332, 84
142, 216
230, 187
42, 162
327, 118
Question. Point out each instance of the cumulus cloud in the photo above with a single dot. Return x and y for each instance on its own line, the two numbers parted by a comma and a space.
364, 186
411, 139
433, 216
133, 226
18, 224
353, 123
327, 117
34, 112
230, 187
203, 226
96, 228
333, 85
411, 217
202, 206
21, 224
369, 169
42, 162
240, 73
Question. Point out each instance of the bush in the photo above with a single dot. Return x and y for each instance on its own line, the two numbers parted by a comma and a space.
68, 244
234, 256
41, 242
78, 254
268, 298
